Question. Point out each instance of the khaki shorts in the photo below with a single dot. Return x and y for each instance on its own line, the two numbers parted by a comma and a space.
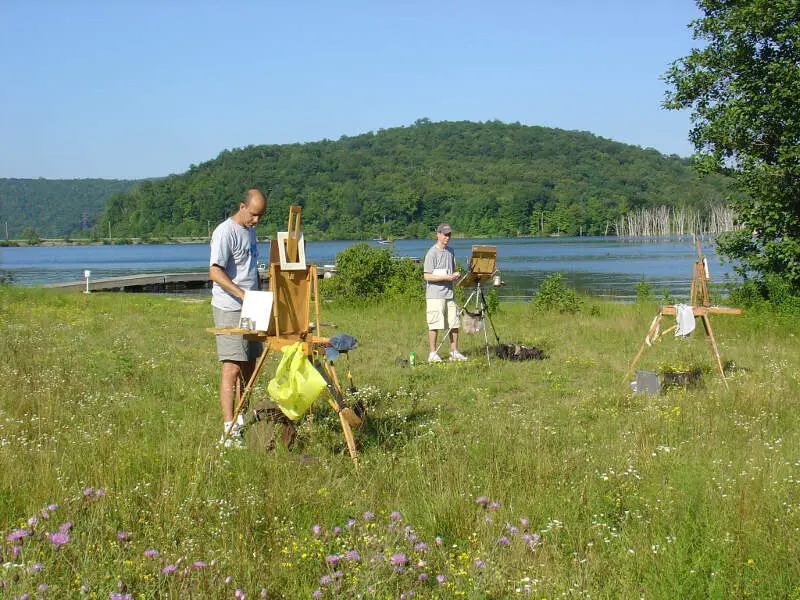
442, 314
233, 347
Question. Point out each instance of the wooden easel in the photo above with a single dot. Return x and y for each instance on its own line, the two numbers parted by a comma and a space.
293, 290
698, 292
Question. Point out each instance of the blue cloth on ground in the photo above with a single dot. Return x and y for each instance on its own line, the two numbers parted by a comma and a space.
342, 342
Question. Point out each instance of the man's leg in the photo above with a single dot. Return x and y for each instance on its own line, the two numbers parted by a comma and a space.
229, 379
432, 333
454, 340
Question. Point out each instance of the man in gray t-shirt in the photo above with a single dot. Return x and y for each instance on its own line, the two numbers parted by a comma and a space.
234, 269
442, 312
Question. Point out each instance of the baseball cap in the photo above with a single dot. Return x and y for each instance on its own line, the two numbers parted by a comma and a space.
444, 228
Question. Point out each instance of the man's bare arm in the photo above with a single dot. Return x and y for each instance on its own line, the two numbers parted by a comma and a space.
218, 275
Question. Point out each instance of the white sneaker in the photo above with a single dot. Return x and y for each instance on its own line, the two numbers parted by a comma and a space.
456, 355
433, 357
234, 440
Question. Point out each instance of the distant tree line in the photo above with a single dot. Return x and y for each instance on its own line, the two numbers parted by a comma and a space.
54, 208
486, 179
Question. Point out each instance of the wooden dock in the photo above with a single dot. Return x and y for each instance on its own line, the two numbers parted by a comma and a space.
153, 282
147, 282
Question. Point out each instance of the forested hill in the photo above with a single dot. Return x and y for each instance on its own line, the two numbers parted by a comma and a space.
484, 178
55, 207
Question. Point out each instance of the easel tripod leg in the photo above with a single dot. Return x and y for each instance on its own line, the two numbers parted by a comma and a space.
248, 388
653, 327
713, 342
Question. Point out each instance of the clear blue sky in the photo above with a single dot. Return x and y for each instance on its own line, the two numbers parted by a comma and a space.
132, 89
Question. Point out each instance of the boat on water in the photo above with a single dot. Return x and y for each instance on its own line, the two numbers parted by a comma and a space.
383, 242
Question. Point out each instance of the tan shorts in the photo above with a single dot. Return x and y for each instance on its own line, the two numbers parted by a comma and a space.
442, 314
233, 347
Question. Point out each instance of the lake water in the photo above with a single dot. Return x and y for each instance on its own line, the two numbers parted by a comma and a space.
609, 267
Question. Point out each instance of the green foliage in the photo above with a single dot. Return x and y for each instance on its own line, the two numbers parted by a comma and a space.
772, 293
55, 207
555, 295
31, 236
644, 292
485, 179
367, 273
743, 87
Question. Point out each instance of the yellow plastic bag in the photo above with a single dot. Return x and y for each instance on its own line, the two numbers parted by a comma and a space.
296, 383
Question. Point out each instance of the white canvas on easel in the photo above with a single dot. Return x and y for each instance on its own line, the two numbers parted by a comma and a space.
300, 265
257, 307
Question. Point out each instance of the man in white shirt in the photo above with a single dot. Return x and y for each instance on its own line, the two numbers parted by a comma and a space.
234, 269
440, 272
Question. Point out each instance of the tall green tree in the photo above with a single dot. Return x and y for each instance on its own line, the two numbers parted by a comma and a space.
743, 88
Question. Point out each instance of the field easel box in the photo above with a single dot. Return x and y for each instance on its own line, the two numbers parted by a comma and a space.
481, 265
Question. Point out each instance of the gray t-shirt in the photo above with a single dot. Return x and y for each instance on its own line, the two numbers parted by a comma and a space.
439, 260
234, 248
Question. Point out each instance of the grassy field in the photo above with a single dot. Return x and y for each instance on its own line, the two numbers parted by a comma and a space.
542, 478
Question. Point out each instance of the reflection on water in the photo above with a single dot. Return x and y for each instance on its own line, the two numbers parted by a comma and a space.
598, 266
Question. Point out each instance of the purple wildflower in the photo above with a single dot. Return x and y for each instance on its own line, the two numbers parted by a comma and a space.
317, 593
494, 505
169, 569
52, 507
99, 493
368, 515
523, 521
478, 563
122, 535
420, 546
482, 500
394, 515
438, 541
15, 550
88, 492
228, 579
238, 594
338, 575
32, 521
151, 553
422, 577
119, 596
397, 559
65, 527
352, 555
36, 567
332, 559
44, 514
325, 580
58, 538
350, 523
441, 578
390, 526
421, 564
17, 534
42, 587
503, 541
337, 530
511, 529
198, 564
316, 530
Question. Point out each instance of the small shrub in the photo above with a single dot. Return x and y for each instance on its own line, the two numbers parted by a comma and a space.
644, 292
771, 293
554, 294
32, 237
365, 273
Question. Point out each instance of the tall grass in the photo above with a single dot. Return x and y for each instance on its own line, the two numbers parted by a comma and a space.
547, 478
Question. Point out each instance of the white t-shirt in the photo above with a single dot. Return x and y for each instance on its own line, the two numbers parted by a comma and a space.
234, 248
